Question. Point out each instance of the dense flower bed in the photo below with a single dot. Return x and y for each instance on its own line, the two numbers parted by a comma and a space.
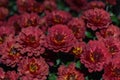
59, 40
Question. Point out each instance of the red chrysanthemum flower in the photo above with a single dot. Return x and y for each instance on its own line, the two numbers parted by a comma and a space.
24, 5
78, 49
33, 69
3, 13
96, 4
113, 46
14, 21
78, 28
28, 20
36, 7
2, 23
112, 70
50, 5
10, 54
5, 31
60, 38
77, 5
11, 75
58, 17
95, 56
112, 2
31, 40
43, 25
69, 73
4, 3
29, 6
2, 73
96, 18
111, 31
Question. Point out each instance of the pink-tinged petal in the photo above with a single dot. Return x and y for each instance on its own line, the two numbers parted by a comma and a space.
96, 18
10, 54
28, 20
58, 17
11, 75
60, 38
111, 31
31, 68
78, 28
112, 70
112, 2
96, 4
31, 40
77, 5
3, 13
69, 73
2, 73
95, 56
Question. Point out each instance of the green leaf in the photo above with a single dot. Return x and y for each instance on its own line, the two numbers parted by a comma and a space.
88, 34
58, 61
78, 64
86, 78
52, 76
68, 63
114, 19
60, 5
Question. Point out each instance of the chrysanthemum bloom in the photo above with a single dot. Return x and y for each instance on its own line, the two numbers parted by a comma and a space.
96, 4
4, 33
11, 75
60, 38
96, 18
111, 31
10, 54
113, 46
2, 73
112, 2
28, 20
95, 56
77, 5
69, 73
78, 28
3, 13
36, 7
58, 17
3, 23
24, 5
78, 49
50, 5
33, 69
43, 25
112, 70
31, 41
4, 3
14, 22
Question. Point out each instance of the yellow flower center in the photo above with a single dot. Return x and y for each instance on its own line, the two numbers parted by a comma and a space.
70, 77
1, 40
77, 51
59, 39
13, 52
33, 67
57, 19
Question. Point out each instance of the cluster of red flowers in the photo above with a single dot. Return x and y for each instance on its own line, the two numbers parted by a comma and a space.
39, 29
